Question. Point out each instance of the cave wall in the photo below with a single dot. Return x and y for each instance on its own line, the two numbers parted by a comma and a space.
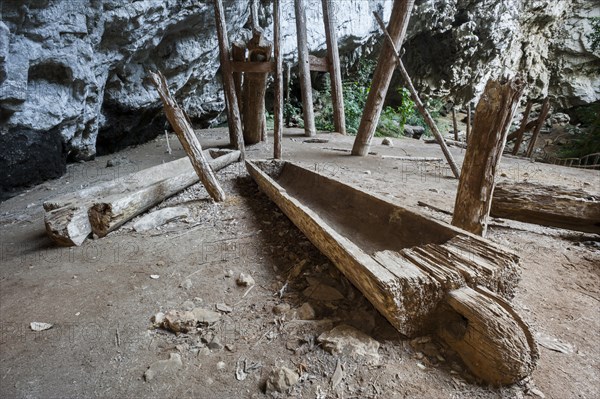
73, 72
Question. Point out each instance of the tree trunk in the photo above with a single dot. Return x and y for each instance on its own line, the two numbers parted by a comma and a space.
382, 76
278, 103
187, 137
110, 213
493, 117
337, 95
304, 69
255, 85
233, 110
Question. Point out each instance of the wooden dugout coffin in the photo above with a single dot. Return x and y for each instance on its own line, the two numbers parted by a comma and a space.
423, 275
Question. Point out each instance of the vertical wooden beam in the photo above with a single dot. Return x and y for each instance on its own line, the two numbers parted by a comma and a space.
418, 103
238, 53
493, 117
335, 72
538, 127
180, 124
304, 69
454, 124
288, 78
233, 113
382, 76
254, 15
468, 122
278, 103
521, 131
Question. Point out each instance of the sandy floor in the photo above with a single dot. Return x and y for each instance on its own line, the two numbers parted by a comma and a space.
100, 297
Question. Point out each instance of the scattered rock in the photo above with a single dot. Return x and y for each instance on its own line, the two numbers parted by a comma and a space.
414, 131
38, 326
388, 142
117, 162
367, 172
338, 375
537, 392
160, 263
188, 305
553, 344
154, 276
222, 307
180, 321
228, 273
206, 316
245, 280
281, 380
158, 319
215, 345
160, 217
186, 284
221, 366
345, 339
560, 118
305, 312
282, 308
162, 367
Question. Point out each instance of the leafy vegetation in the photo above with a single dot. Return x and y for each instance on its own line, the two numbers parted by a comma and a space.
594, 36
587, 141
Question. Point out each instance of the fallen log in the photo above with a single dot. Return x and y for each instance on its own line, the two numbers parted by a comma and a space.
66, 219
414, 159
112, 212
553, 206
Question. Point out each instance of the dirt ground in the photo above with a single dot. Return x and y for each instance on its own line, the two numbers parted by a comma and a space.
100, 297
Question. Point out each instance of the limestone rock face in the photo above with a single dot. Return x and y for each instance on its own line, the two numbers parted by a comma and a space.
73, 72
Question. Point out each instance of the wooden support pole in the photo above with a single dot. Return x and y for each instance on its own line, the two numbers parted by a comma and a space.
493, 117
254, 14
382, 76
415, 96
335, 72
304, 69
454, 124
238, 54
233, 110
187, 137
254, 89
278, 103
468, 122
288, 78
519, 133
538, 127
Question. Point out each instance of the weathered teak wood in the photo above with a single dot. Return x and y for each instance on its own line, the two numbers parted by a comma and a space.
521, 130
238, 55
252, 67
538, 127
382, 76
304, 69
109, 213
468, 122
255, 86
493, 117
553, 206
187, 137
278, 103
333, 56
415, 96
318, 64
288, 78
454, 124
233, 111
421, 274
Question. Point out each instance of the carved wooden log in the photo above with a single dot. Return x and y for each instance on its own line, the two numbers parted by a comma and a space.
554, 206
304, 69
233, 111
493, 117
108, 214
278, 104
337, 95
187, 137
382, 76
255, 85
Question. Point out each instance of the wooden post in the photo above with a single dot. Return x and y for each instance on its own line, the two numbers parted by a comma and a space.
468, 122
238, 54
254, 14
454, 124
522, 128
180, 124
419, 104
288, 78
382, 76
255, 85
493, 117
304, 70
335, 72
538, 127
233, 110
278, 103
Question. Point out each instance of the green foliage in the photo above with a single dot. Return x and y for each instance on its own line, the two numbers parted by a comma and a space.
292, 113
392, 120
587, 141
594, 37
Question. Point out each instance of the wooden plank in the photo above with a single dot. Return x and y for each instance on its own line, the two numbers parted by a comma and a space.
554, 206
413, 159
187, 137
493, 118
233, 111
304, 69
415, 96
335, 71
253, 66
110, 213
382, 76
278, 103
318, 64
